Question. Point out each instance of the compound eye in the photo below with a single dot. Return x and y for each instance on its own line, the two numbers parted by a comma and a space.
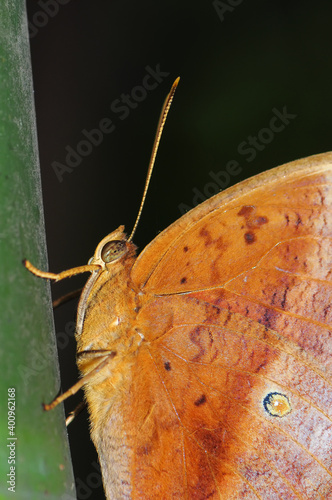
113, 250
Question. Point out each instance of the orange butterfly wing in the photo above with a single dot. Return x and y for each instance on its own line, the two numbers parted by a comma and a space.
230, 394
217, 344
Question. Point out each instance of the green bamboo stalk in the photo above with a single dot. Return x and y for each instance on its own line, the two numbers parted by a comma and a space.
27, 346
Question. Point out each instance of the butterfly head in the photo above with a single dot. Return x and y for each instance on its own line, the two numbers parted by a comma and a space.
113, 259
112, 248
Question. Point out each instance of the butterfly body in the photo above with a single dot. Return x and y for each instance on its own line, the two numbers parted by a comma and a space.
217, 338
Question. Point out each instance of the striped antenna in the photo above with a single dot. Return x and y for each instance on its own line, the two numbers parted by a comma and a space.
160, 127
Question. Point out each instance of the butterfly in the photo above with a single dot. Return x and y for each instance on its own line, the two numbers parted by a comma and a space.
206, 360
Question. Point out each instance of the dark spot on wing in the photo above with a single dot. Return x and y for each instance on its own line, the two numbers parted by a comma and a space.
249, 237
284, 298
201, 400
259, 221
268, 319
204, 233
298, 221
252, 220
246, 211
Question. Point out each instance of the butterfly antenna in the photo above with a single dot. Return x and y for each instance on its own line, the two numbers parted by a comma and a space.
160, 127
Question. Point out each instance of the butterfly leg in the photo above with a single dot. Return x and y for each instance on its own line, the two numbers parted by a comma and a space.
73, 414
76, 387
66, 298
60, 276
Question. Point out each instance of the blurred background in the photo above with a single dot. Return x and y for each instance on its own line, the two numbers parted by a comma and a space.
241, 63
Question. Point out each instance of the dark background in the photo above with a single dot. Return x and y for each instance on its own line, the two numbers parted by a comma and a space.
234, 71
